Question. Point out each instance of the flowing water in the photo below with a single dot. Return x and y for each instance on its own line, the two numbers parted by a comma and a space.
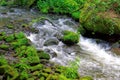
95, 58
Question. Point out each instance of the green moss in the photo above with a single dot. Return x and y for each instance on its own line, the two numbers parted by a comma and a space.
33, 60
42, 78
2, 35
3, 61
62, 77
81, 30
45, 74
1, 38
19, 42
24, 3
12, 72
31, 79
71, 73
23, 75
10, 27
37, 67
4, 47
43, 55
20, 35
9, 38
47, 70
76, 15
70, 38
86, 78
23, 41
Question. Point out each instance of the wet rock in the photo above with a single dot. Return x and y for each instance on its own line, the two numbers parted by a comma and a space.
52, 41
51, 52
43, 55
116, 51
116, 45
57, 35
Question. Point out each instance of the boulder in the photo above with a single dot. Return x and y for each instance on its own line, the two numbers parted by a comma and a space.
52, 41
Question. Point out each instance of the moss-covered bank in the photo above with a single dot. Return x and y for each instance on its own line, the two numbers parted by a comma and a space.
19, 60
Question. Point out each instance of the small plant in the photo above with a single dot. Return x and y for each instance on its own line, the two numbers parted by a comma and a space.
70, 38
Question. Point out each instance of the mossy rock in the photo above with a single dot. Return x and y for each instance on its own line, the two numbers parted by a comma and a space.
37, 67
86, 78
24, 75
20, 35
10, 26
2, 35
9, 38
3, 61
12, 72
20, 42
47, 70
44, 74
104, 25
42, 78
31, 79
70, 38
4, 47
43, 55
1, 38
62, 77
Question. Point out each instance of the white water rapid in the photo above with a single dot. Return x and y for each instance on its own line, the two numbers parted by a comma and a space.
95, 59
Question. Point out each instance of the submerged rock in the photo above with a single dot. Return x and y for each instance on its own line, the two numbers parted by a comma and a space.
52, 41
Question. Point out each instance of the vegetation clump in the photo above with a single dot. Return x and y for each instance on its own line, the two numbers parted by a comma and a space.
70, 38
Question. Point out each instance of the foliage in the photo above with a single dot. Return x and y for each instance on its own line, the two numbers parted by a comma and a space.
70, 38
3, 3
57, 6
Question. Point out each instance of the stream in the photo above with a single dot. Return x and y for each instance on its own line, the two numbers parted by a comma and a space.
96, 59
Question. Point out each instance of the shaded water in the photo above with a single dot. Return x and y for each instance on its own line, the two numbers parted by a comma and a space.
95, 59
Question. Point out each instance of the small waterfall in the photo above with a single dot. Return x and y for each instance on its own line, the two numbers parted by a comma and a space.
95, 59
